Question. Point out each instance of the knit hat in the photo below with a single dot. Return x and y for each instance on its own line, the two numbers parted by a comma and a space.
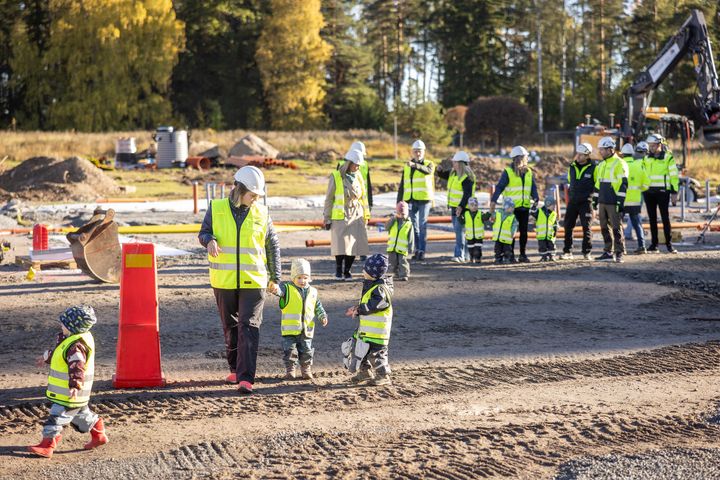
508, 203
550, 201
78, 319
403, 208
376, 265
299, 266
473, 202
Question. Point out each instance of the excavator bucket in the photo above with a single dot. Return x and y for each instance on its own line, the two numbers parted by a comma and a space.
96, 247
710, 135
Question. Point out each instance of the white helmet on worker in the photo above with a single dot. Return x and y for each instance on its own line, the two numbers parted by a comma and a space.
642, 147
418, 145
584, 149
358, 146
518, 151
252, 178
299, 266
627, 149
607, 142
355, 156
461, 156
655, 138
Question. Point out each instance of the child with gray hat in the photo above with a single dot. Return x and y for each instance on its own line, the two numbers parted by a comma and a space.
375, 313
72, 365
546, 226
401, 241
504, 227
300, 307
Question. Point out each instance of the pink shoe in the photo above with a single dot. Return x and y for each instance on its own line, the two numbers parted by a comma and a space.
245, 387
232, 378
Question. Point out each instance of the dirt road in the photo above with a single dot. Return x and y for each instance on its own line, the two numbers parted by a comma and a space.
499, 371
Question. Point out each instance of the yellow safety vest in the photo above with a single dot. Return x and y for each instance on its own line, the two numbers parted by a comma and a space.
375, 327
638, 182
502, 229
398, 237
519, 189
242, 262
474, 227
544, 227
663, 172
338, 209
421, 186
612, 170
298, 316
58, 389
455, 191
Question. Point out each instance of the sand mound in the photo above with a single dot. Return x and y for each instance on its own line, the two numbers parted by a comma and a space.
253, 145
54, 179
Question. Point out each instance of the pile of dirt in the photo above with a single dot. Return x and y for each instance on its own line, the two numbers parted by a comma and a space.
54, 179
253, 145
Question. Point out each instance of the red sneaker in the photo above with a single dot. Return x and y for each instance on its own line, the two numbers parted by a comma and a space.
245, 387
232, 378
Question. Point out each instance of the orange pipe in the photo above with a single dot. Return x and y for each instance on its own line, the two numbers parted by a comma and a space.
372, 221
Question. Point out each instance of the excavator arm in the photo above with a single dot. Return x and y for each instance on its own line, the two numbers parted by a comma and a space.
692, 38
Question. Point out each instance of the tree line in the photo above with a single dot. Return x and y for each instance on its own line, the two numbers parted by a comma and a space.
101, 65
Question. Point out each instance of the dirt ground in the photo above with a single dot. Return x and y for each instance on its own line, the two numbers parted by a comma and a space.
499, 371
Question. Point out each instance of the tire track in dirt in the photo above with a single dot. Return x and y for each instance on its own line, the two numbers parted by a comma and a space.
438, 453
216, 401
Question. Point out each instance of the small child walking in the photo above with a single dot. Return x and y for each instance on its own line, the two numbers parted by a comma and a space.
376, 313
474, 230
401, 241
546, 226
72, 365
504, 228
300, 307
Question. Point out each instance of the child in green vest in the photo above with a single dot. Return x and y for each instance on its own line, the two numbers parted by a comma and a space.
401, 241
474, 230
72, 365
546, 225
504, 227
375, 313
300, 307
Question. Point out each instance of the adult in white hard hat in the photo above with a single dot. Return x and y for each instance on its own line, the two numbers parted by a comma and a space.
417, 189
364, 168
611, 182
518, 182
581, 184
346, 214
244, 255
664, 186
461, 186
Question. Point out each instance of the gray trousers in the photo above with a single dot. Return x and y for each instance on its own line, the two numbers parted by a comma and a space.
83, 419
610, 218
376, 359
399, 264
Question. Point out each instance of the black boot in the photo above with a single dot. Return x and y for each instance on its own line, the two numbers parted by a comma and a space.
339, 267
349, 259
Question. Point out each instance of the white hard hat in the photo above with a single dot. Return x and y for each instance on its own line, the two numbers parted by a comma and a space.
418, 145
627, 149
252, 178
584, 148
461, 156
655, 138
642, 147
355, 156
606, 142
299, 266
518, 151
358, 146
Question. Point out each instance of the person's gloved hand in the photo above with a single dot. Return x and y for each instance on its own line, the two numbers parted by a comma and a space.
595, 203
619, 207
327, 225
673, 199
486, 217
534, 208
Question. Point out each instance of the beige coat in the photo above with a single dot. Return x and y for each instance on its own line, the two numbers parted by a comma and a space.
348, 236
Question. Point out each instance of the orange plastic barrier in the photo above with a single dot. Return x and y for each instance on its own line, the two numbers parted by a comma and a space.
138, 345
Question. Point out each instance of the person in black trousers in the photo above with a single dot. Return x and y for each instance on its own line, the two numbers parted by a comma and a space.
581, 179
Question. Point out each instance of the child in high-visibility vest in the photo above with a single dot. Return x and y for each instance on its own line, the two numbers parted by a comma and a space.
376, 312
474, 230
72, 365
401, 241
546, 226
504, 227
300, 307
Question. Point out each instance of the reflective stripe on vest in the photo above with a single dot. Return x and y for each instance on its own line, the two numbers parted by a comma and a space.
298, 316
420, 186
502, 229
663, 172
58, 389
638, 182
474, 227
519, 189
455, 191
376, 326
338, 209
398, 238
612, 171
544, 228
249, 257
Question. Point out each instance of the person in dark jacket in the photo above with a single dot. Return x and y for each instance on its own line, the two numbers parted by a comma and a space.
244, 255
581, 180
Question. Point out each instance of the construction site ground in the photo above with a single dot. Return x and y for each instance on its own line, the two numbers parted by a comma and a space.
575, 369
